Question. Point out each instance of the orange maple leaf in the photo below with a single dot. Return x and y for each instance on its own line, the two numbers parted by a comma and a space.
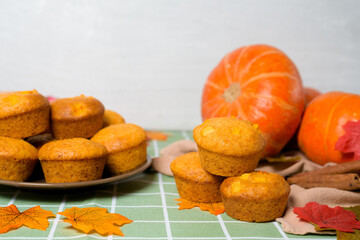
95, 218
11, 218
152, 135
214, 208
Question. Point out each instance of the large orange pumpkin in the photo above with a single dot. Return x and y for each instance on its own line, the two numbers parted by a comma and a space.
310, 94
322, 125
261, 84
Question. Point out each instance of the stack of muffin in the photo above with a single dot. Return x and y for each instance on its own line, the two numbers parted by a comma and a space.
84, 138
229, 150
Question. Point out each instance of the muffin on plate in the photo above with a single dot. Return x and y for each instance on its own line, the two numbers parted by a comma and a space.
72, 160
23, 114
77, 117
228, 146
193, 182
17, 159
255, 196
126, 144
111, 118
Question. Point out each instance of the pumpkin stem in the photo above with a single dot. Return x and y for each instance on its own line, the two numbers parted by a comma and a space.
232, 92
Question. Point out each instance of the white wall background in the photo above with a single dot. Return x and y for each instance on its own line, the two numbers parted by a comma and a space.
148, 60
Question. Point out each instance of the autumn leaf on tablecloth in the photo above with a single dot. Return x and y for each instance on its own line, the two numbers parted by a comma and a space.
11, 218
326, 217
350, 141
348, 236
95, 218
153, 135
213, 208
354, 209
356, 234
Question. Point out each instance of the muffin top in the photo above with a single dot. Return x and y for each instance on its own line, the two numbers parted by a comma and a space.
229, 136
17, 149
76, 108
111, 118
120, 136
13, 103
256, 185
188, 166
71, 149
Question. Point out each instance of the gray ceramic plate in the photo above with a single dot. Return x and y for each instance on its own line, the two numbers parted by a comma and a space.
41, 184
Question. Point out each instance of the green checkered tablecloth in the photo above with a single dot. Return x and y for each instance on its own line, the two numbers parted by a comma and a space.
148, 200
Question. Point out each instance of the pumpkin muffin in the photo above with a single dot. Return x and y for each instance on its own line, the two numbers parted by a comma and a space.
72, 160
228, 146
193, 182
23, 114
17, 159
255, 196
111, 118
126, 144
78, 117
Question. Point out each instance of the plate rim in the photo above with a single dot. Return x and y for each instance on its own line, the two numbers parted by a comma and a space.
74, 185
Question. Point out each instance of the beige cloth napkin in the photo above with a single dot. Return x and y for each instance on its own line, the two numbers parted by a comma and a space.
303, 164
298, 195
169, 153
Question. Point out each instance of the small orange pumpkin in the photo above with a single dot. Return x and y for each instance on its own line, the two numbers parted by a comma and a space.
310, 94
322, 126
258, 83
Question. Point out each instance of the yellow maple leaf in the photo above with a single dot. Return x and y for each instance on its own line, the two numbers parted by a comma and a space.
214, 208
95, 218
11, 218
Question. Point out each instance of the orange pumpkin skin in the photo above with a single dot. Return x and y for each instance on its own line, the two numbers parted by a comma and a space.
258, 83
310, 94
322, 125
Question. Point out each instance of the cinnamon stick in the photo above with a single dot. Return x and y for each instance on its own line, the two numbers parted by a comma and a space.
348, 167
348, 181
